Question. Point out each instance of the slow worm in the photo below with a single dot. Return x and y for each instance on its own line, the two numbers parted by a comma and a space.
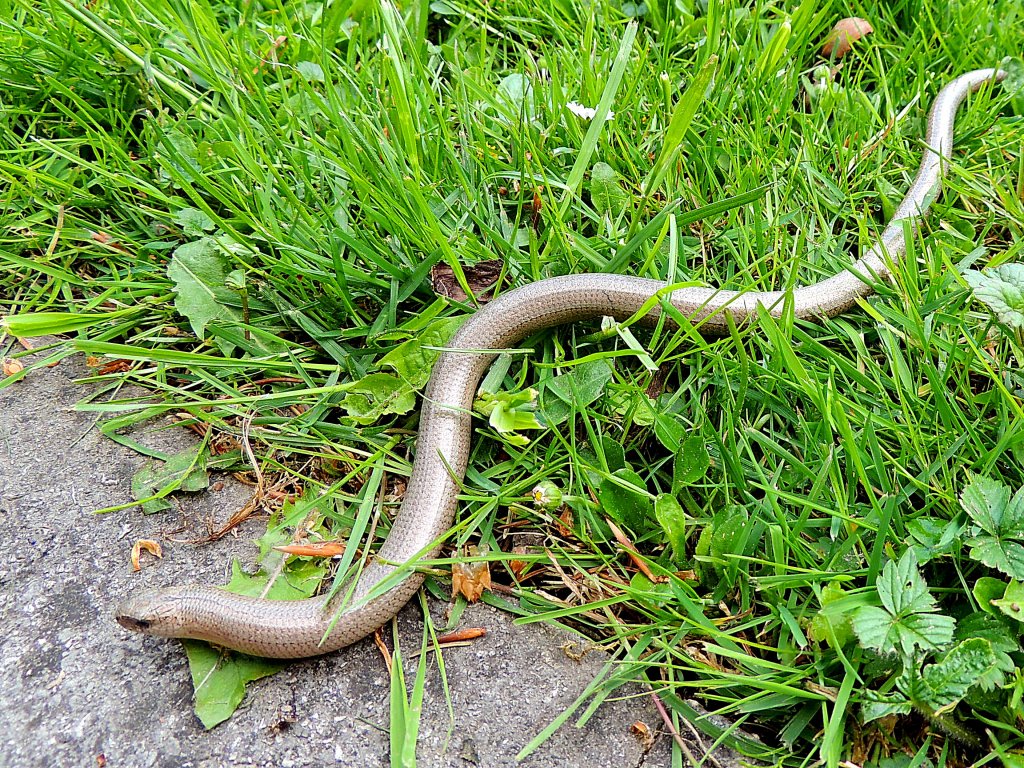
293, 629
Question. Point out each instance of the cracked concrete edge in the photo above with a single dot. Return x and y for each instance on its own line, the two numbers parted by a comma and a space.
75, 686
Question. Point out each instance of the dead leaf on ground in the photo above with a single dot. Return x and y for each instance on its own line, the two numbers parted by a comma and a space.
518, 567
462, 635
313, 549
844, 34
480, 277
643, 734
148, 545
471, 579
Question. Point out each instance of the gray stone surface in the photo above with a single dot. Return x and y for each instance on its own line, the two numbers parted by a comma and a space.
75, 686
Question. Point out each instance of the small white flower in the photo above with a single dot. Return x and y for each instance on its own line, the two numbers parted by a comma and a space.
587, 113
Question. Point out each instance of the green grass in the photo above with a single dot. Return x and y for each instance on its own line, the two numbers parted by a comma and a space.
337, 153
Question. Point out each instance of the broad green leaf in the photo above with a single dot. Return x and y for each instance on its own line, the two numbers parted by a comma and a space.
902, 589
672, 520
829, 624
878, 629
1001, 289
578, 388
986, 591
606, 192
934, 537
1005, 556
219, 679
300, 579
184, 471
691, 463
1011, 603
218, 676
193, 222
412, 360
650, 594
948, 680
625, 505
311, 71
996, 631
376, 395
670, 430
199, 270
516, 92
725, 535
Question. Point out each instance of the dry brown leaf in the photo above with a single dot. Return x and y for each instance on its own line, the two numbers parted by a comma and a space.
643, 733
114, 366
843, 35
471, 579
518, 567
11, 366
563, 523
462, 635
313, 549
149, 545
480, 277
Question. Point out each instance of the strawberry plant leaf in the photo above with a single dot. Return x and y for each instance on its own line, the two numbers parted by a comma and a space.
965, 665
999, 525
908, 617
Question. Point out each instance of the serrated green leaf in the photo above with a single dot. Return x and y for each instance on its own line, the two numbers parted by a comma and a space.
377, 395
606, 192
1001, 289
875, 705
908, 618
989, 505
199, 270
1005, 556
965, 665
1001, 518
413, 360
193, 222
672, 519
901, 588
995, 630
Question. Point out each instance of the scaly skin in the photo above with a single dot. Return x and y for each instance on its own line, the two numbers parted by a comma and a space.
294, 629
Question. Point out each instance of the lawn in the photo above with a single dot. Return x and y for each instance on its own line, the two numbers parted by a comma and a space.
267, 215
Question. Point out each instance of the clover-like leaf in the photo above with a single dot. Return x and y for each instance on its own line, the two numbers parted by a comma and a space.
908, 617
999, 521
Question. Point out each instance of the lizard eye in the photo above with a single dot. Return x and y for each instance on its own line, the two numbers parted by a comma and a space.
135, 625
